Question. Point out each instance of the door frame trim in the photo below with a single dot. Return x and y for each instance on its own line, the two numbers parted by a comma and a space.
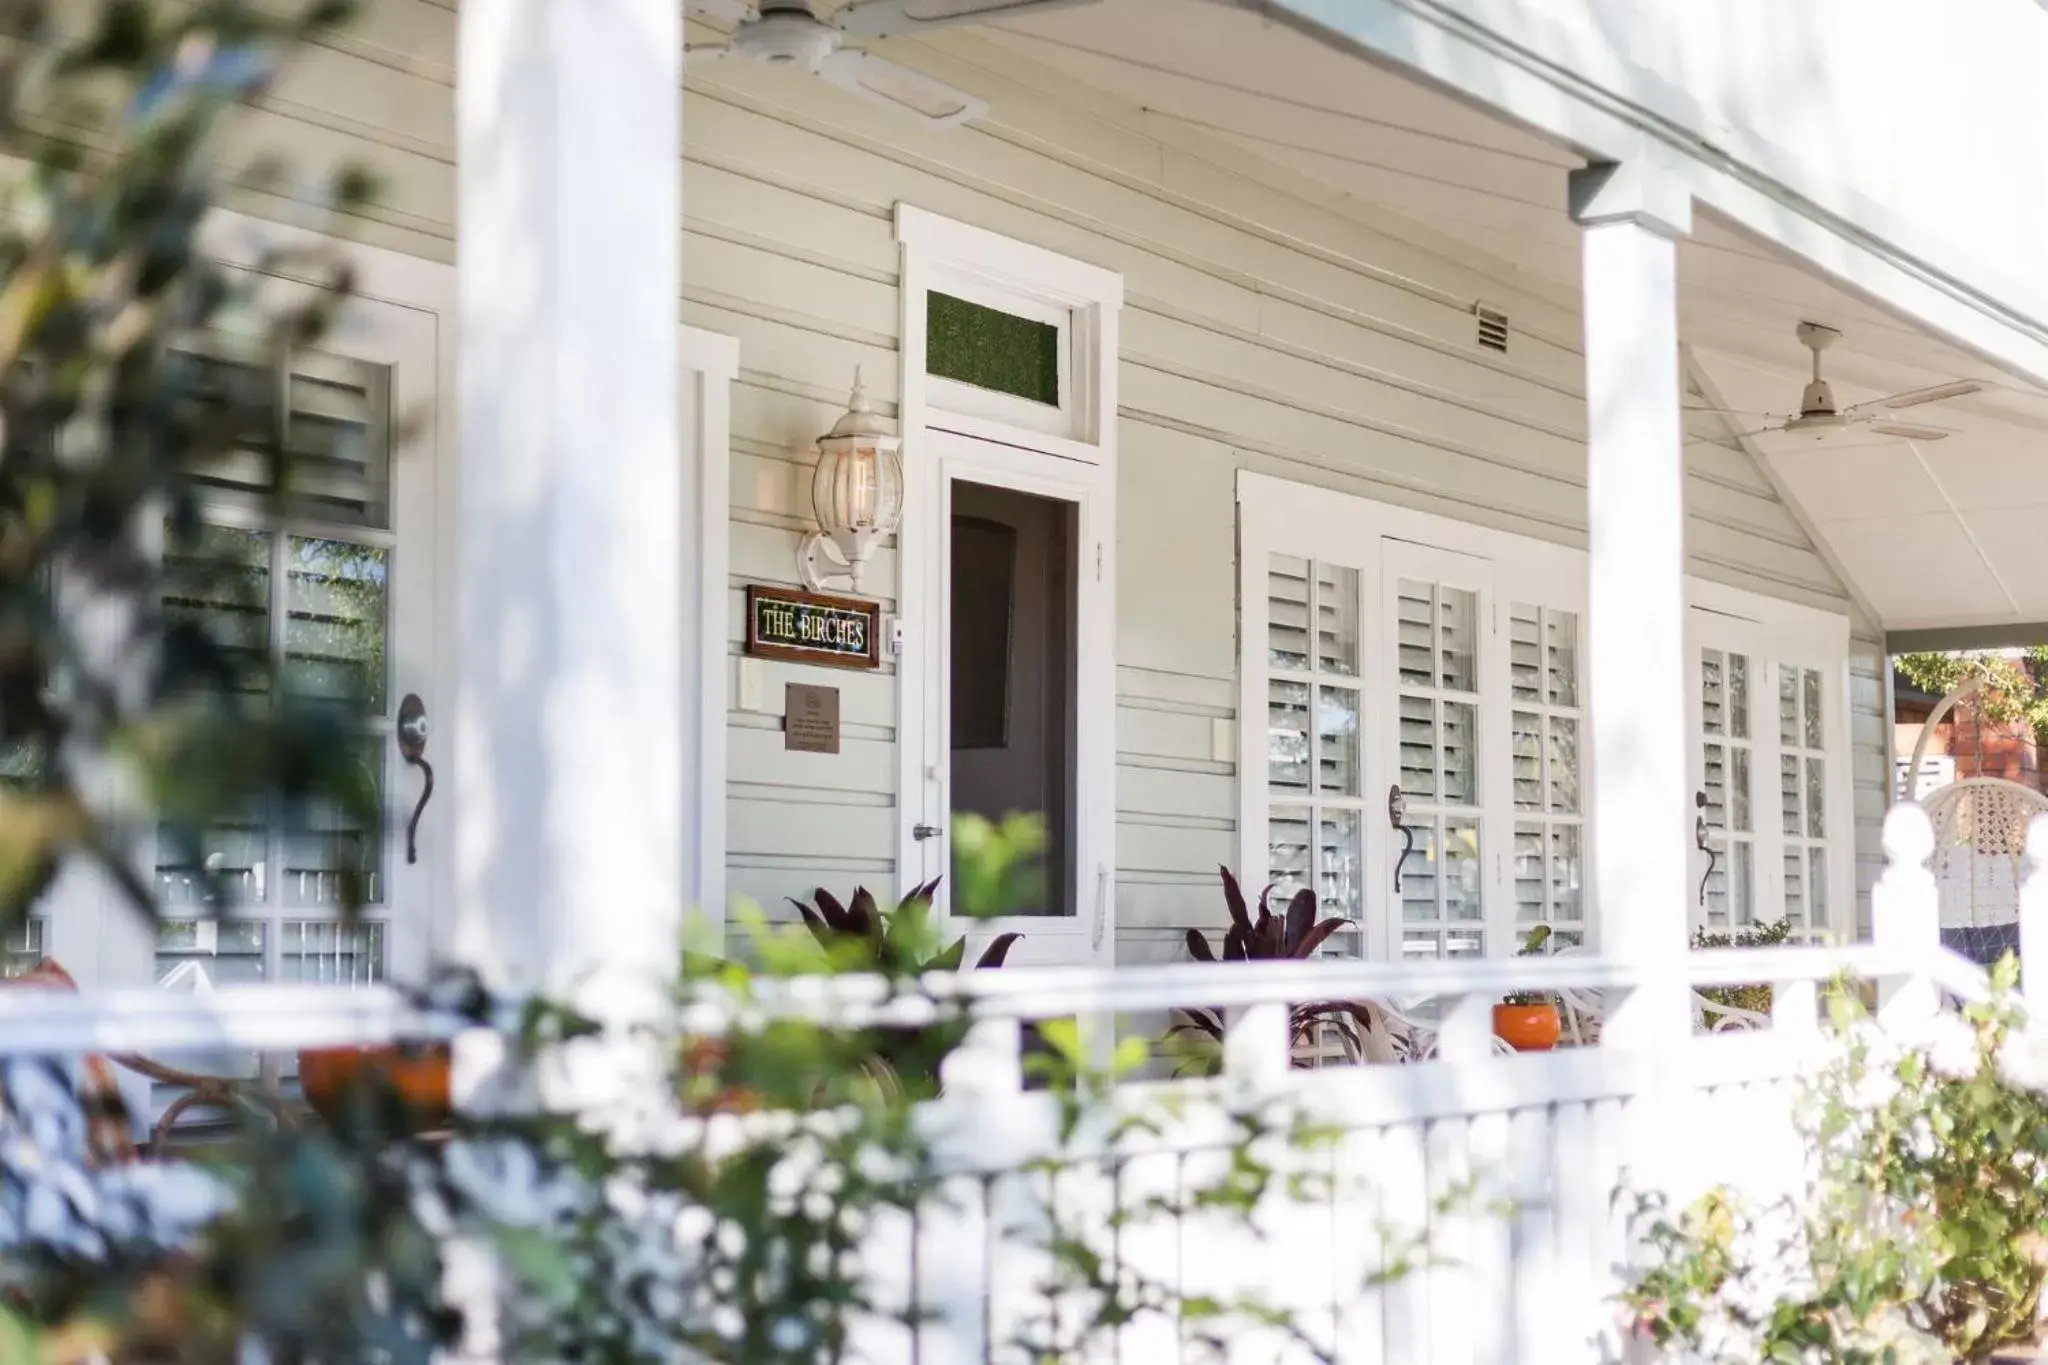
935, 250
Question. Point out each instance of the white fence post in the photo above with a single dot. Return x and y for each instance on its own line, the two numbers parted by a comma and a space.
989, 1064
1905, 913
1256, 1045
2034, 921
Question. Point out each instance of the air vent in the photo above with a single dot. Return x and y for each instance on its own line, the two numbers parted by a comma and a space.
1493, 327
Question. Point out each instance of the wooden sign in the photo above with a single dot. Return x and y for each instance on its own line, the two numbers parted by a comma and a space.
811, 628
810, 720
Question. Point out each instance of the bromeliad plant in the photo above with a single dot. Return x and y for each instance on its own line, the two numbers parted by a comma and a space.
904, 942
1294, 934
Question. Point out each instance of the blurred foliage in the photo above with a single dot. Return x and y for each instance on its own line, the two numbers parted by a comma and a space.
1754, 996
1923, 1233
116, 714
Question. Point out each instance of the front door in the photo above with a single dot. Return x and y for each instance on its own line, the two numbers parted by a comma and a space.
1022, 677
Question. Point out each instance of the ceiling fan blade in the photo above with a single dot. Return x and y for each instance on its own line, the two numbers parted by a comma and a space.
1913, 398
891, 18
1736, 412
724, 11
696, 54
1911, 431
900, 88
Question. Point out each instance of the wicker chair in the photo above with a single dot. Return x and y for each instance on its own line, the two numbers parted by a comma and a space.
112, 1136
1980, 841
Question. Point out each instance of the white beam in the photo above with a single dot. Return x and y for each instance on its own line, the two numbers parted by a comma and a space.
569, 738
1636, 600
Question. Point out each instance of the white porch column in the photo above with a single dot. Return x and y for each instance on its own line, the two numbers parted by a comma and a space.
569, 735
1635, 481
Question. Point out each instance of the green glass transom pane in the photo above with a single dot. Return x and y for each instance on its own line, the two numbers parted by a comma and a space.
990, 349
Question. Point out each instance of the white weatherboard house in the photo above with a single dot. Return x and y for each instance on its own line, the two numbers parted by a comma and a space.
1306, 408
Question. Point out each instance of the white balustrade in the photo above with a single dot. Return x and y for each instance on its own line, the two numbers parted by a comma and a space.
1549, 1132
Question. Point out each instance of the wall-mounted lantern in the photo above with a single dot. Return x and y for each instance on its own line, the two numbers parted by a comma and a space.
856, 494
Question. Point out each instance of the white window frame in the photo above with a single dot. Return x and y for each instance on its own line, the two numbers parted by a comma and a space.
1281, 516
1078, 454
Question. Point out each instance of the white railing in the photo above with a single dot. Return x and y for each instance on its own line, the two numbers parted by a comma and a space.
1526, 1267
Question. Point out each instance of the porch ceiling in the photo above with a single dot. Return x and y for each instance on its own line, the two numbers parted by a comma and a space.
1929, 534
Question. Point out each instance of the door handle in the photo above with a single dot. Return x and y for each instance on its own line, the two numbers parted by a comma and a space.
1699, 836
412, 745
924, 832
1397, 811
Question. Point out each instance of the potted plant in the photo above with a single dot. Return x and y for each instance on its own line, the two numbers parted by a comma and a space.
1528, 1021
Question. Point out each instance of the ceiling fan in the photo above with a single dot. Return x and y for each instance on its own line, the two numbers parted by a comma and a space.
1819, 418
789, 33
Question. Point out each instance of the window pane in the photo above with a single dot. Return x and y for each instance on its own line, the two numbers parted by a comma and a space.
1713, 692
991, 349
1525, 652
1457, 627
1566, 876
1816, 817
1418, 747
329, 954
1714, 782
1738, 783
1563, 657
1741, 858
1337, 736
1287, 849
1461, 754
1415, 664
1420, 947
21, 948
1817, 884
204, 953
1419, 874
1529, 872
1788, 705
1564, 765
235, 853
1795, 885
221, 584
1461, 872
337, 437
1526, 752
335, 600
1738, 695
1341, 879
1788, 785
324, 847
1287, 612
1813, 717
1465, 944
1287, 735
1337, 619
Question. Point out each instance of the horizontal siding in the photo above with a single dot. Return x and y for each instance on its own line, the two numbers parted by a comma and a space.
1263, 330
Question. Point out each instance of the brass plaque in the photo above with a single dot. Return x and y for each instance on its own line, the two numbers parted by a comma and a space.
810, 723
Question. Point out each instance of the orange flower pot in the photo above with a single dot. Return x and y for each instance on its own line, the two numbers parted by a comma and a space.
417, 1075
1528, 1028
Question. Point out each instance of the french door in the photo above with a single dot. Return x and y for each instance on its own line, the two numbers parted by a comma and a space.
336, 601
1019, 689
1411, 724
1773, 823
